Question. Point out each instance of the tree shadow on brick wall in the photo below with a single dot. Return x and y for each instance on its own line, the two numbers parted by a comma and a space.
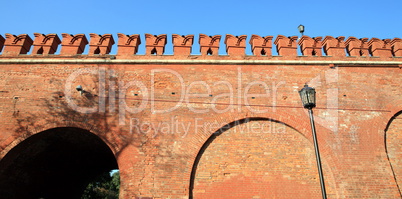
55, 134
53, 110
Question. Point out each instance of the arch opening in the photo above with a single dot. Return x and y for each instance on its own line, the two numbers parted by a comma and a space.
209, 51
263, 52
56, 163
255, 158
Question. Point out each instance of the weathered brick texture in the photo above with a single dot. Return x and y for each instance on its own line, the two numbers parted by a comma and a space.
210, 125
247, 161
394, 146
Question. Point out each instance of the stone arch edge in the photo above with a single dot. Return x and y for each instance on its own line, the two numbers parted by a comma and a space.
59, 123
394, 114
299, 124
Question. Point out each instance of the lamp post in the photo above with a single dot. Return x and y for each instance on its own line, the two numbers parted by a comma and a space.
307, 95
301, 29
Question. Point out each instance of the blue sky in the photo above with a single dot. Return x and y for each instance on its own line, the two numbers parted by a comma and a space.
359, 18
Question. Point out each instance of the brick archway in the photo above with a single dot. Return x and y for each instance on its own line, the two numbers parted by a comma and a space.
55, 163
393, 147
256, 157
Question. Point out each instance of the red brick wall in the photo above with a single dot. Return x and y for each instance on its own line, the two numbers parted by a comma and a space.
394, 146
259, 159
156, 151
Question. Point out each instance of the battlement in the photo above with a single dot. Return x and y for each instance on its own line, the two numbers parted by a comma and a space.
181, 118
127, 45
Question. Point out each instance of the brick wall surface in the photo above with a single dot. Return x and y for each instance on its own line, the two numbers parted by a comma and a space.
393, 146
158, 113
259, 159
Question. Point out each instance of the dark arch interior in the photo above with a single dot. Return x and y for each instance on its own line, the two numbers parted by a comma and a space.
56, 163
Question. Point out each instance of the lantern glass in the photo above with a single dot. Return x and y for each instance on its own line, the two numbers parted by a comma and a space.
307, 95
301, 28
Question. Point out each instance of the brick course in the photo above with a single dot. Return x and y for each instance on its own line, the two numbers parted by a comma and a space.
358, 101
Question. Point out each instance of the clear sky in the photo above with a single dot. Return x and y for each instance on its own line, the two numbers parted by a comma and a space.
359, 18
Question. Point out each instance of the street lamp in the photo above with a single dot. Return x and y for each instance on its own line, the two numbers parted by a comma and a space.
307, 95
301, 29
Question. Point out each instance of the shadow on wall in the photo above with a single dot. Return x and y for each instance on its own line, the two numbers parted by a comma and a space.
62, 159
